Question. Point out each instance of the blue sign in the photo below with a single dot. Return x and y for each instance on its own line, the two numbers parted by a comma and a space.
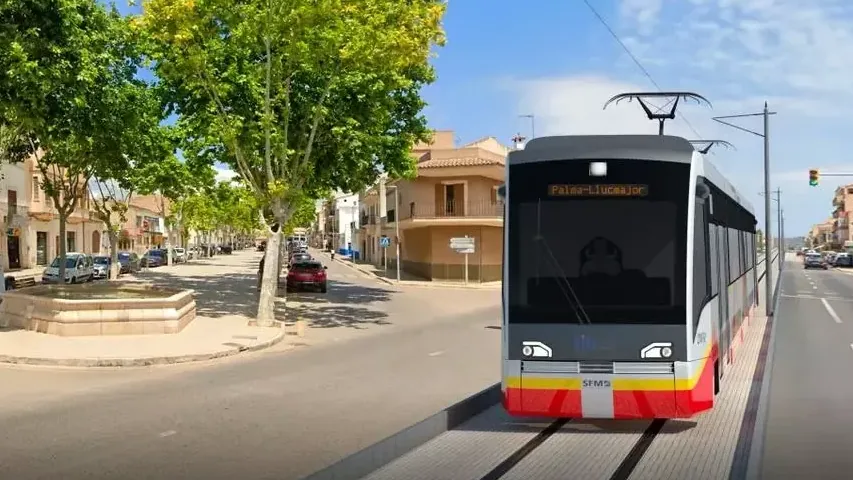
384, 242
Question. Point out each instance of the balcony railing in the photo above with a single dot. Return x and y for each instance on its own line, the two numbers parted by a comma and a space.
453, 209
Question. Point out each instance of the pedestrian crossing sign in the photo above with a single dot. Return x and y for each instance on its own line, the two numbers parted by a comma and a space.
384, 242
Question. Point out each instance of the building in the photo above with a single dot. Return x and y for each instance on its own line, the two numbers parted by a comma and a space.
144, 226
455, 194
31, 220
338, 220
821, 235
842, 203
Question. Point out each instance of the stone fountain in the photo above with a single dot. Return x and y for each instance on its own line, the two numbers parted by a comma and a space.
103, 308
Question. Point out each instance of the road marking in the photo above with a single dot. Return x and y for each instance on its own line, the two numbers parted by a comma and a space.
830, 310
814, 287
167, 433
435, 354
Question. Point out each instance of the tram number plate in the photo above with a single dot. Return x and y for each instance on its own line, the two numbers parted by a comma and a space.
587, 383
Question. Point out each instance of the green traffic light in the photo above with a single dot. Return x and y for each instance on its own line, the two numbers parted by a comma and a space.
813, 183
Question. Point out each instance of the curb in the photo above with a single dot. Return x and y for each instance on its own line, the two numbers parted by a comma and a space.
139, 362
425, 284
376, 456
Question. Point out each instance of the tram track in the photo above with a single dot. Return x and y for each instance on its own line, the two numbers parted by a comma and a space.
623, 472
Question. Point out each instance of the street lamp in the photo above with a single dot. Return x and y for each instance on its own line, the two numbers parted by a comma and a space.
396, 224
768, 287
532, 124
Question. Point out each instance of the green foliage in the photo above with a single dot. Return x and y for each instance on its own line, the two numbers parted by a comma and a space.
297, 96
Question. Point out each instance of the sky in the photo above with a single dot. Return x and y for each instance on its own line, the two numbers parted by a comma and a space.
558, 62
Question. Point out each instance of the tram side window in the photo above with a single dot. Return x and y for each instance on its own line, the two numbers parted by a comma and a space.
715, 259
734, 260
741, 253
701, 284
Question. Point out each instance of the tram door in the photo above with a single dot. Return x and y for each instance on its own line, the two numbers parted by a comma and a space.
723, 279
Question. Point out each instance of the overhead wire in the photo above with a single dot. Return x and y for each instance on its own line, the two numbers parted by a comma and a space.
635, 59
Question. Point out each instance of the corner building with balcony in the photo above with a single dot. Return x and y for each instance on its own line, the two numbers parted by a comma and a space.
455, 194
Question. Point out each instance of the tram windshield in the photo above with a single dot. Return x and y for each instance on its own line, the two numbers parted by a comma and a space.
598, 252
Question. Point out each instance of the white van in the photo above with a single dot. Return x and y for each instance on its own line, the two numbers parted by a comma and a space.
79, 268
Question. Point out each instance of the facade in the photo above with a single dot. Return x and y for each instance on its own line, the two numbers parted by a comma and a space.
144, 227
821, 235
455, 194
842, 202
338, 222
31, 221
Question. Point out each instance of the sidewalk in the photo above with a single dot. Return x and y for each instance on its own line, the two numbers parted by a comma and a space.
226, 300
406, 279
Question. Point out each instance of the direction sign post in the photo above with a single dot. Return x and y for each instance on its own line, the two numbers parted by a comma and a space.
464, 245
384, 242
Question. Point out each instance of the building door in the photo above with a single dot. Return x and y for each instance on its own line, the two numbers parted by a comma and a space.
41, 248
96, 242
72, 241
13, 245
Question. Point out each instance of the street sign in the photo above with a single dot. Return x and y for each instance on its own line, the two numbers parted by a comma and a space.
465, 250
384, 242
457, 243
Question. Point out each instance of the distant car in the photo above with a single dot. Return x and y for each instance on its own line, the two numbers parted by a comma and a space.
153, 258
129, 262
180, 255
299, 258
262, 246
307, 275
814, 260
101, 266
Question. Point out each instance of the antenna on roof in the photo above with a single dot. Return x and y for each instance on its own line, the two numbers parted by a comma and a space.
659, 113
708, 144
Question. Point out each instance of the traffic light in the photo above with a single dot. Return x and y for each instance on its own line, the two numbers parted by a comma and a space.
814, 177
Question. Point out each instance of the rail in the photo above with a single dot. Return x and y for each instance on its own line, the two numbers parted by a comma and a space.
369, 460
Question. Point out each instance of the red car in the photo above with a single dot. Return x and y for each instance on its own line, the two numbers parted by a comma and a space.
307, 276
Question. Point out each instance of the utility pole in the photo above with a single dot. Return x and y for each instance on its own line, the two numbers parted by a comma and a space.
532, 124
768, 286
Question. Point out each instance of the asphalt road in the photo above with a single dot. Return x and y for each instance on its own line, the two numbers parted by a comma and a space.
270, 415
809, 431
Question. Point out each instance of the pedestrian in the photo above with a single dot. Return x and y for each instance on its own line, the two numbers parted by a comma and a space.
261, 272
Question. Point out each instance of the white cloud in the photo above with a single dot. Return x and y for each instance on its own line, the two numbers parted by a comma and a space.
793, 48
224, 174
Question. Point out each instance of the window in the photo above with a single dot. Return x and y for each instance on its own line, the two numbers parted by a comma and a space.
701, 284
12, 198
36, 189
714, 250
734, 257
138, 221
623, 258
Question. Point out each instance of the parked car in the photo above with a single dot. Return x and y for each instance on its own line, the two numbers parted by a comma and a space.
307, 275
78, 269
101, 266
129, 261
299, 258
814, 260
180, 255
153, 258
262, 246
226, 249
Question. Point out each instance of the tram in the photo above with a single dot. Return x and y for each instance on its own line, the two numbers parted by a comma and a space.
630, 268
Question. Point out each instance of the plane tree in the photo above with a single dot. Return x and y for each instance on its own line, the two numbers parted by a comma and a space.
297, 96
67, 74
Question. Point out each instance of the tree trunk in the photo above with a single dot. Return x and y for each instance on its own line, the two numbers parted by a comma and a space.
115, 266
269, 282
62, 245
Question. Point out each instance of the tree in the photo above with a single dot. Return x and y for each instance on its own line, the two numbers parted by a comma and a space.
64, 67
257, 80
172, 179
